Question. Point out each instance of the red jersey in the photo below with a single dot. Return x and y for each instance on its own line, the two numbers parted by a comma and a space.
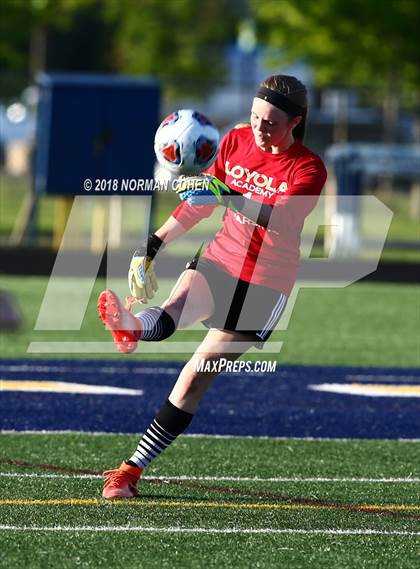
291, 181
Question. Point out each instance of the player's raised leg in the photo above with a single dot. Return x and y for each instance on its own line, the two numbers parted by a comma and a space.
189, 301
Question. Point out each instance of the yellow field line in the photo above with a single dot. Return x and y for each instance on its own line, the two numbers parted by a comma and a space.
182, 504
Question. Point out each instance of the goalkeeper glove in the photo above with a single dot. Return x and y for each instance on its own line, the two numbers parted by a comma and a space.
141, 275
204, 190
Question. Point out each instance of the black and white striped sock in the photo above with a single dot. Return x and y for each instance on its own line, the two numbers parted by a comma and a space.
156, 324
167, 425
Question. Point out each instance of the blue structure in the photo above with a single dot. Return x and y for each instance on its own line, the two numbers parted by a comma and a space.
94, 127
279, 404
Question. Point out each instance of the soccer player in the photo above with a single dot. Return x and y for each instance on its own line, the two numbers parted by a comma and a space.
268, 181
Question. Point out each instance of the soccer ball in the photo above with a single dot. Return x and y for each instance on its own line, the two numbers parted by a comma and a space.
186, 142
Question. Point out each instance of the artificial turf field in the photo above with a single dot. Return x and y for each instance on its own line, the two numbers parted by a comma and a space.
223, 501
211, 502
365, 324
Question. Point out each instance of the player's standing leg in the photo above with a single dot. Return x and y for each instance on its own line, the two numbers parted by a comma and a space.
177, 412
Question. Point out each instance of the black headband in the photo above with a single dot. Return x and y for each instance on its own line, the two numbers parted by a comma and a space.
280, 101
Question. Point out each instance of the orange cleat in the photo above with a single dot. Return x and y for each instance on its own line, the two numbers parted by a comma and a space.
124, 327
121, 482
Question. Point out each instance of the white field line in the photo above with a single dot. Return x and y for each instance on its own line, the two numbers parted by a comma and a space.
368, 389
203, 436
326, 531
222, 478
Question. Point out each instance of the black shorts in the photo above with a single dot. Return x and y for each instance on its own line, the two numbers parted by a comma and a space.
240, 306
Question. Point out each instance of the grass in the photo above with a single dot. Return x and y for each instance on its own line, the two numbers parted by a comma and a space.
363, 324
292, 505
404, 226
194, 552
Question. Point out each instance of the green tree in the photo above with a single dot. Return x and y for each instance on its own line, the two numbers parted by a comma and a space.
348, 42
24, 29
180, 41
21, 19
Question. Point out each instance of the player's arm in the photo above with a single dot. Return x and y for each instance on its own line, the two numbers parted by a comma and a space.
170, 230
142, 280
